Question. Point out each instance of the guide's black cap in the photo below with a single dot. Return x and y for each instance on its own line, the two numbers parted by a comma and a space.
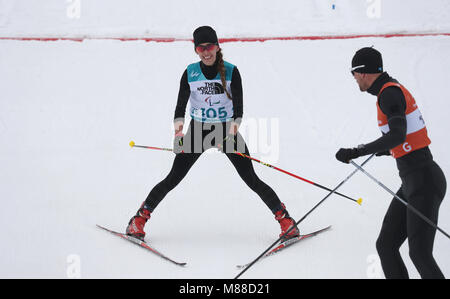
367, 61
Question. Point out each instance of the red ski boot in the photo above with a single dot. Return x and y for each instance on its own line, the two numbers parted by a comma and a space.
136, 225
286, 222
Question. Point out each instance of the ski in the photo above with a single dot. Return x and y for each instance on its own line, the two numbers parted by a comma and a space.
142, 244
287, 243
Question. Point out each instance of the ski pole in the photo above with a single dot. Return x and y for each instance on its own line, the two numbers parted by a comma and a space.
132, 144
358, 201
409, 206
303, 218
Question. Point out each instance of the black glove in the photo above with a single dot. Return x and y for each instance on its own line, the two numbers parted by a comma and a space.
346, 154
178, 143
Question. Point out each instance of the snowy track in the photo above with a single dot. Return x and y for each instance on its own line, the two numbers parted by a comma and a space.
68, 111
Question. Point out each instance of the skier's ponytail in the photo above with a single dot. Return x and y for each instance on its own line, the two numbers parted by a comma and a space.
222, 72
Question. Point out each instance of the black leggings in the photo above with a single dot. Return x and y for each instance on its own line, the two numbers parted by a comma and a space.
202, 138
423, 189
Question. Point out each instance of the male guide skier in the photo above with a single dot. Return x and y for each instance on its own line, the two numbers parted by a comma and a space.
423, 185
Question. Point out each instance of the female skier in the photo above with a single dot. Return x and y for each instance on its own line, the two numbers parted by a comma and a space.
213, 87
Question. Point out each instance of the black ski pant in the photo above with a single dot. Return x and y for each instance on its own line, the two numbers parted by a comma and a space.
424, 189
203, 136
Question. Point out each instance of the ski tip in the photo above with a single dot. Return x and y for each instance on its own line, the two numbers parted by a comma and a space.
359, 201
132, 143
329, 227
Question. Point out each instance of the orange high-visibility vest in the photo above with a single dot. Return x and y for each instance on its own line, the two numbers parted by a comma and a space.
416, 131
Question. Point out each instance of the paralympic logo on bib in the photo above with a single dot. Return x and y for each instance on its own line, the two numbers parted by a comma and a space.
211, 102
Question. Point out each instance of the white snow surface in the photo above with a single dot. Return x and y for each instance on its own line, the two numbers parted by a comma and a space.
68, 111
235, 18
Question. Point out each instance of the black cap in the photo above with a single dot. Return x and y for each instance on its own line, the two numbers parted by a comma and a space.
367, 61
205, 34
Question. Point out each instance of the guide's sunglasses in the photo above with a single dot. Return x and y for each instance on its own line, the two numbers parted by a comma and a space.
353, 69
203, 48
